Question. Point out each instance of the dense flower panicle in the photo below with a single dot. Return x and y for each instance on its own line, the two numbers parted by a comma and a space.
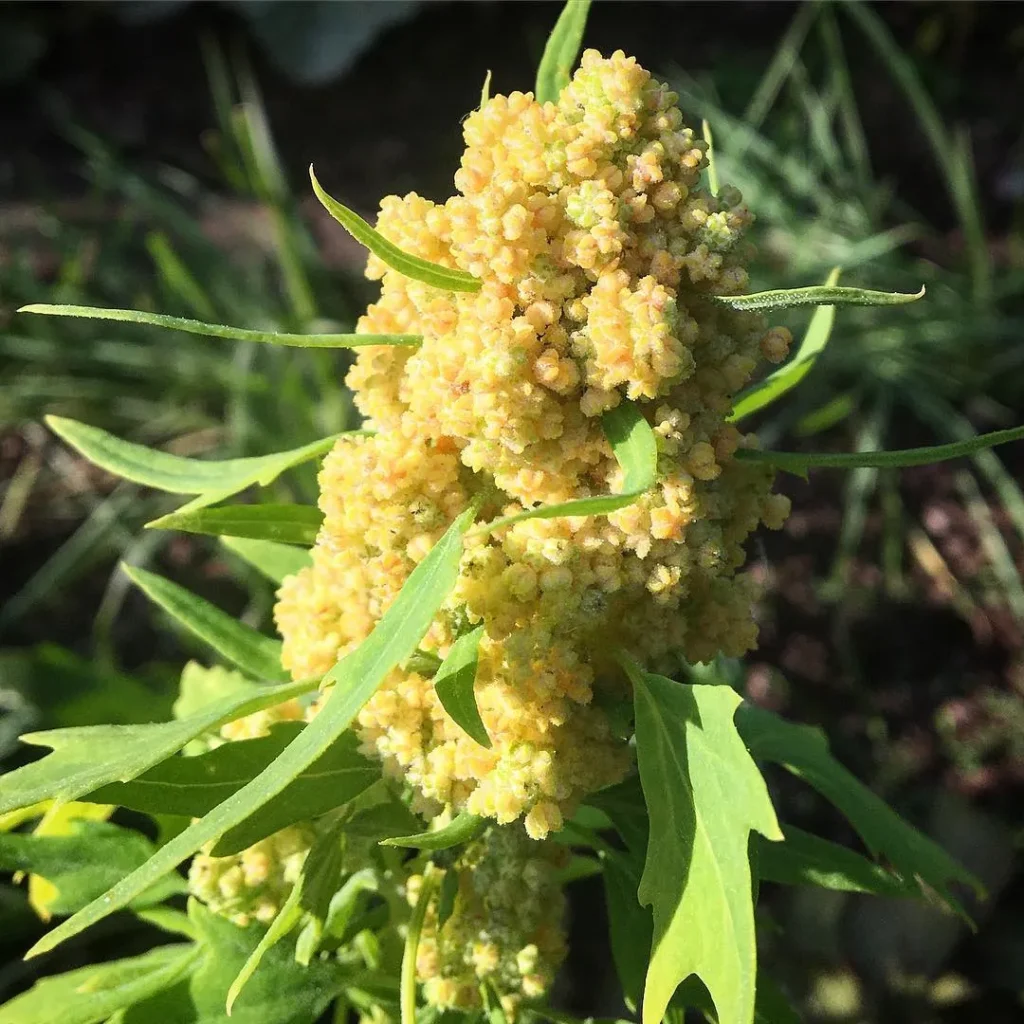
505, 927
599, 254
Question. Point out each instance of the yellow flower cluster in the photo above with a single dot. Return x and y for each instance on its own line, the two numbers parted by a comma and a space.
505, 927
599, 254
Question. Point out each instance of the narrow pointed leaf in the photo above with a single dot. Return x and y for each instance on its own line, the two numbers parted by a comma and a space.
636, 449
816, 295
397, 259
561, 51
800, 462
175, 473
275, 561
454, 685
177, 323
252, 652
87, 757
776, 384
805, 752
461, 829
704, 796
286, 524
357, 676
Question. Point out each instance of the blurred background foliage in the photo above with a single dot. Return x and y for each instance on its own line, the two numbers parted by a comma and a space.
155, 156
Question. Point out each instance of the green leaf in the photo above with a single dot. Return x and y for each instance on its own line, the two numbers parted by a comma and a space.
630, 925
87, 757
178, 323
463, 828
804, 751
417, 919
561, 51
91, 994
83, 864
193, 786
174, 473
776, 384
252, 652
636, 449
322, 874
405, 263
454, 682
816, 295
806, 859
286, 524
704, 796
358, 675
275, 561
800, 462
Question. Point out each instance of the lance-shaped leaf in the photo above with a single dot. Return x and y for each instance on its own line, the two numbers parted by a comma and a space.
704, 796
397, 259
356, 676
275, 561
800, 462
93, 994
463, 828
286, 524
87, 757
454, 684
636, 449
193, 786
561, 51
177, 323
804, 751
175, 473
252, 652
776, 384
816, 295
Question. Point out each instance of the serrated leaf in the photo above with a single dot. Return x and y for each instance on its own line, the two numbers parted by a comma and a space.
286, 524
177, 323
252, 652
463, 828
275, 561
358, 675
800, 462
636, 449
805, 752
816, 295
704, 796
91, 994
84, 863
561, 51
776, 384
806, 859
87, 757
397, 259
193, 786
454, 684
175, 473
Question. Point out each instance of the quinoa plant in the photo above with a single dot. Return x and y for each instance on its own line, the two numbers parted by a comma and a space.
498, 630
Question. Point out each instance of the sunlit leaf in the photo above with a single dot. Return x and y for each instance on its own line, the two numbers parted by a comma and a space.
561, 51
358, 675
816, 295
178, 323
252, 652
275, 561
454, 684
463, 828
405, 263
704, 796
286, 524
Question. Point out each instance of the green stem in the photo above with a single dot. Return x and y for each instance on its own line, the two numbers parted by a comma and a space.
412, 942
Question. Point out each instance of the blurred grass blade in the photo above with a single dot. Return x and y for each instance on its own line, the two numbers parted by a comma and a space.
463, 828
175, 473
816, 295
177, 277
178, 323
834, 411
636, 449
454, 684
273, 560
776, 384
561, 51
252, 652
286, 524
405, 263
799, 462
